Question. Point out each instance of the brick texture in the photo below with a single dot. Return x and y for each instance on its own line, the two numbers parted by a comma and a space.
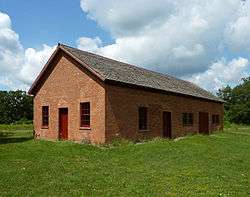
68, 86
122, 112
114, 109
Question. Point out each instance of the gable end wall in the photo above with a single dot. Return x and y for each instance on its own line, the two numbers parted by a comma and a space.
67, 86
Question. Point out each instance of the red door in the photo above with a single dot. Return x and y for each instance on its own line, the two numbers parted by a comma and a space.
203, 123
167, 124
63, 123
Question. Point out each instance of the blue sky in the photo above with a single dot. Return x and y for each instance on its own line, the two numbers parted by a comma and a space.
51, 21
205, 42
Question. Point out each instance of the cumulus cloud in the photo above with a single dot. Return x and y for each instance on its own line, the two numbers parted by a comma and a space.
182, 37
33, 61
10, 46
191, 39
5, 21
238, 31
18, 66
127, 17
222, 73
89, 44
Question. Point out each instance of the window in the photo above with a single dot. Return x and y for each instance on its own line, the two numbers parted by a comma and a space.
45, 116
215, 119
187, 119
143, 118
85, 114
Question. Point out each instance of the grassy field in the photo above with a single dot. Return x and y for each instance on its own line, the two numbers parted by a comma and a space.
215, 165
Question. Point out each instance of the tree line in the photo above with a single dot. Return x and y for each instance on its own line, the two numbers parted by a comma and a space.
237, 102
15, 106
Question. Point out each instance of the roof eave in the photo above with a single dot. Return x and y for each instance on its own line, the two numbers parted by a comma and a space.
113, 82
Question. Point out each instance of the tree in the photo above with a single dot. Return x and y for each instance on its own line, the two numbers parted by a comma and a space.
237, 102
226, 95
14, 106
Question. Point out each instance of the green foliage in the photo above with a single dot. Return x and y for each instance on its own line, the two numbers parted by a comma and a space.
226, 95
215, 165
237, 106
15, 106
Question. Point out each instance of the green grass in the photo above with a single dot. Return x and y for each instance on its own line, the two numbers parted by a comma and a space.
215, 165
15, 127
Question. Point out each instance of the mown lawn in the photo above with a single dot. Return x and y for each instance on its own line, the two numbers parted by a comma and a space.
215, 165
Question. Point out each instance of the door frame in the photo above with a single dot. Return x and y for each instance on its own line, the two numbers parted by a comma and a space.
167, 111
208, 129
59, 126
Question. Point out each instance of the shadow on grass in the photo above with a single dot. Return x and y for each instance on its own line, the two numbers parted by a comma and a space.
5, 134
14, 140
7, 137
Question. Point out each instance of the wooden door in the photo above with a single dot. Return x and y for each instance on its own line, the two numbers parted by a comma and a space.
203, 123
63, 123
167, 124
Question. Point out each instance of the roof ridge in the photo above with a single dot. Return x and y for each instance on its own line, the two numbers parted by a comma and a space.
176, 84
126, 63
82, 62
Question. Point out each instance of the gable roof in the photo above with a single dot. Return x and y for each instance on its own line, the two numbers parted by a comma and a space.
109, 70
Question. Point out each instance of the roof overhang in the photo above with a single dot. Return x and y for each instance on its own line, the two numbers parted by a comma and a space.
129, 85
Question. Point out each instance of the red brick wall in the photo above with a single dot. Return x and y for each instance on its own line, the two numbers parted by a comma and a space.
122, 112
67, 86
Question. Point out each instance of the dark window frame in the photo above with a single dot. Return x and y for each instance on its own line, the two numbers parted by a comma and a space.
45, 116
85, 115
143, 118
215, 119
187, 119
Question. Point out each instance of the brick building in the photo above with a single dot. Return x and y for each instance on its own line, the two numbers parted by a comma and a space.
82, 96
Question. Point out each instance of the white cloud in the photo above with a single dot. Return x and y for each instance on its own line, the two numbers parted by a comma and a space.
10, 46
33, 62
5, 21
125, 17
89, 44
179, 37
222, 73
18, 66
184, 52
238, 34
